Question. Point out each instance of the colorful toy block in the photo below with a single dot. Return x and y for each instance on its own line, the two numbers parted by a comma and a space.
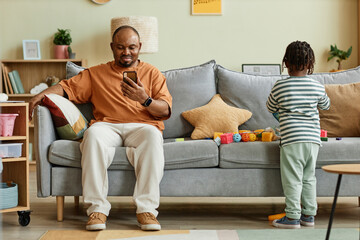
244, 131
267, 136
324, 139
217, 134
179, 139
226, 138
258, 134
217, 140
323, 133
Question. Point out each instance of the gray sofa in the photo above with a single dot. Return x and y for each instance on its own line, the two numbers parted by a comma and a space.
199, 167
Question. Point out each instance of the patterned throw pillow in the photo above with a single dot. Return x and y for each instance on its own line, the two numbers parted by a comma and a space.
69, 122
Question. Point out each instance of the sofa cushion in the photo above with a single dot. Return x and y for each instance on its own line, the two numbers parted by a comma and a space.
68, 120
216, 116
186, 154
249, 92
267, 154
343, 77
343, 117
190, 88
72, 69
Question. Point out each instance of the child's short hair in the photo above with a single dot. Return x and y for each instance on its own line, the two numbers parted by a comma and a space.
299, 55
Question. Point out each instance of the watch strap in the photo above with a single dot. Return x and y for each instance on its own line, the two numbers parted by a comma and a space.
147, 102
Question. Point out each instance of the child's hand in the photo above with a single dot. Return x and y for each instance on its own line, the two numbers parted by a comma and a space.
276, 116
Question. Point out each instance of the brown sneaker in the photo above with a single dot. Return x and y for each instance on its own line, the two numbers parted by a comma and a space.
148, 222
97, 221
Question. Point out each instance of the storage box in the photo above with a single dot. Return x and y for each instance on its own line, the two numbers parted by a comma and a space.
8, 195
10, 150
7, 121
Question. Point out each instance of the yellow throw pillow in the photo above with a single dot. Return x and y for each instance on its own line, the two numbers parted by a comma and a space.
216, 116
343, 117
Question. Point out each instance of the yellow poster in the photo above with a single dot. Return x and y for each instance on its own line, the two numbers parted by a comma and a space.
206, 7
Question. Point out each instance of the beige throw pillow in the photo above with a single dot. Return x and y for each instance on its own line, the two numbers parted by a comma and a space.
343, 117
216, 116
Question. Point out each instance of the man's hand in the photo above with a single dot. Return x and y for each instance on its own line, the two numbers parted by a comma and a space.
32, 104
36, 100
158, 108
135, 92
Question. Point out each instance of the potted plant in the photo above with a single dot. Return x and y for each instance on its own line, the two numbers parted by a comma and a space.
62, 40
340, 54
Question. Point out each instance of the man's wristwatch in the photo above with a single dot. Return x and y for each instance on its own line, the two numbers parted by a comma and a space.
147, 102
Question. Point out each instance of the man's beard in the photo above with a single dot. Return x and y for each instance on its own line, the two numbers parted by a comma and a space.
126, 64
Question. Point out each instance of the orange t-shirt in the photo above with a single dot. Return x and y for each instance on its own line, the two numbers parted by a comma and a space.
100, 85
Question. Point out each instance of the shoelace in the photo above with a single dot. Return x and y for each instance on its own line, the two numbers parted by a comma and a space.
150, 216
95, 216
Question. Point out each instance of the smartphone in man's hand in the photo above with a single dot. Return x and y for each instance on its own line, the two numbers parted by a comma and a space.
130, 74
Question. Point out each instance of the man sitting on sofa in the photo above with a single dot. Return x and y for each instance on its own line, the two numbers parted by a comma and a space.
126, 114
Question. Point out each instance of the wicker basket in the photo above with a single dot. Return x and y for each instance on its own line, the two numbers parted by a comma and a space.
8, 195
147, 28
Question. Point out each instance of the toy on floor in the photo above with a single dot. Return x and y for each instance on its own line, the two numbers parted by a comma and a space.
276, 216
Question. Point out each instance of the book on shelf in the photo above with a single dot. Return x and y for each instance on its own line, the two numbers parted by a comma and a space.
18, 82
6, 89
13, 83
6, 78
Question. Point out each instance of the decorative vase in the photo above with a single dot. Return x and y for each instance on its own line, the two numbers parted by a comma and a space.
61, 51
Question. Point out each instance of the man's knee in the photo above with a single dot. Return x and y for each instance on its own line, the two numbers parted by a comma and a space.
152, 134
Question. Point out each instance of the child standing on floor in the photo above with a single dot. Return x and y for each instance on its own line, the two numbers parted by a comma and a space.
297, 99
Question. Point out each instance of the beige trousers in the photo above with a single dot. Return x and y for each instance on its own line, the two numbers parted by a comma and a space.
144, 149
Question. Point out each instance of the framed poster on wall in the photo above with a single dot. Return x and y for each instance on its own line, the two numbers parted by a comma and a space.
206, 7
262, 69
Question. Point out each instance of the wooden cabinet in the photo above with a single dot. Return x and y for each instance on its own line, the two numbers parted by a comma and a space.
33, 72
17, 169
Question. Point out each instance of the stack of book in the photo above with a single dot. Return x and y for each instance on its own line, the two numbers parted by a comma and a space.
12, 81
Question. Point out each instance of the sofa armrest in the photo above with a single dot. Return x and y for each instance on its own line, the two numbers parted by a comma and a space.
44, 135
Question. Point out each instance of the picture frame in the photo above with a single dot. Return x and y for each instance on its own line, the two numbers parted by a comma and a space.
262, 69
208, 7
31, 50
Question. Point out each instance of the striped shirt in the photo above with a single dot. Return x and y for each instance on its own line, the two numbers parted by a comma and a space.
297, 100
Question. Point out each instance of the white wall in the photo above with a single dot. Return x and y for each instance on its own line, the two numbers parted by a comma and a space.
249, 31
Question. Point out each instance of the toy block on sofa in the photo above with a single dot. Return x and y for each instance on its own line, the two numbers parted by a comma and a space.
226, 138
267, 136
217, 134
323, 133
258, 133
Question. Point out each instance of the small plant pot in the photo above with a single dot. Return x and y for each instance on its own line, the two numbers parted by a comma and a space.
61, 51
72, 55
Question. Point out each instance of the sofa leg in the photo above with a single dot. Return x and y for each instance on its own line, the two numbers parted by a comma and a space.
358, 201
76, 201
60, 208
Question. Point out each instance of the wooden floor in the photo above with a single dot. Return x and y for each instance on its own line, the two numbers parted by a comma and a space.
175, 213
